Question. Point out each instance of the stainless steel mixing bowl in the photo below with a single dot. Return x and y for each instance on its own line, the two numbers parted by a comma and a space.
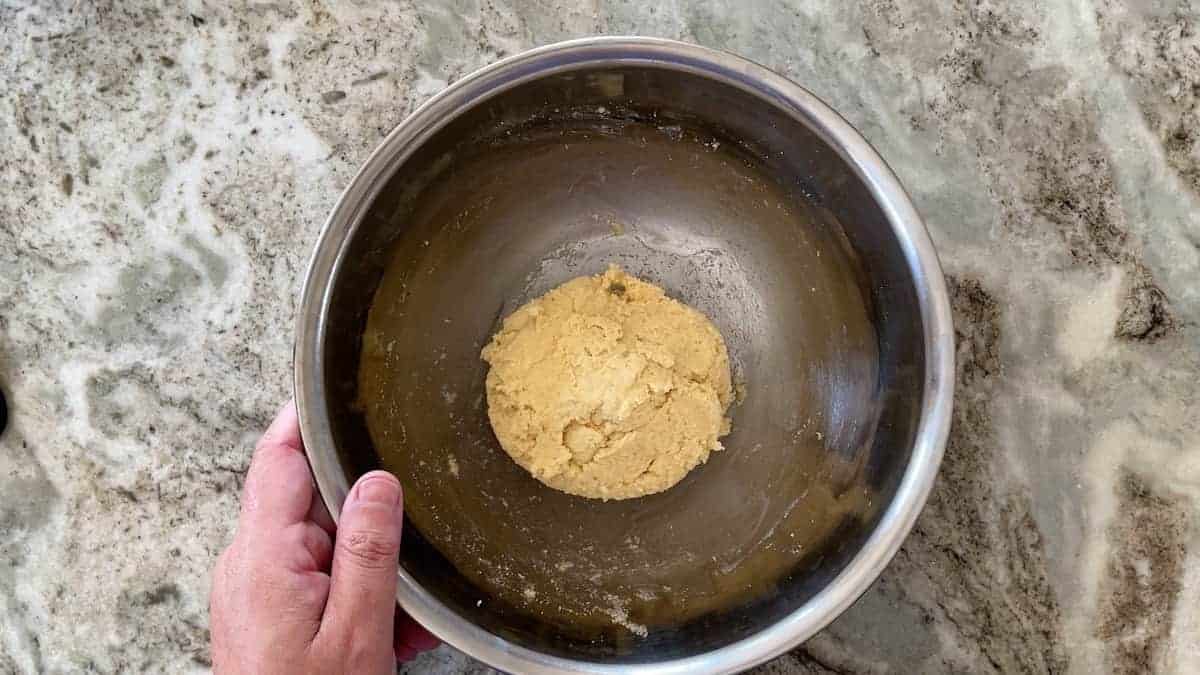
738, 192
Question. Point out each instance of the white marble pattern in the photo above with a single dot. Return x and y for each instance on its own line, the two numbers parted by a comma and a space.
166, 169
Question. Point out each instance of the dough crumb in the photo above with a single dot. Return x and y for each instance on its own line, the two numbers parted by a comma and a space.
620, 616
607, 388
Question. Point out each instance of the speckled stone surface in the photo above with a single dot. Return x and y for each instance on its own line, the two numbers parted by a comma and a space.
165, 172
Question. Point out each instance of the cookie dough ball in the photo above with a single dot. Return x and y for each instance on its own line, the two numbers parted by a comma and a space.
606, 388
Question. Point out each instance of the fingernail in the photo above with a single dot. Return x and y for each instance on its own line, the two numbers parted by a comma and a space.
379, 490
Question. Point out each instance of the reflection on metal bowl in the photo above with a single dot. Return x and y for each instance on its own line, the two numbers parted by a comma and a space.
740, 194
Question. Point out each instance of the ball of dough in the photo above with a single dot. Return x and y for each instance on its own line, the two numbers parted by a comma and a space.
606, 388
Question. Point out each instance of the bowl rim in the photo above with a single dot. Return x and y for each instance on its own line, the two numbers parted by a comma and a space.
906, 225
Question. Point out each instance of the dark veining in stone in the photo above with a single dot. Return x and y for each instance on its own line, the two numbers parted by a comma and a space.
1162, 63
1146, 315
977, 540
160, 594
1064, 183
1145, 567
160, 604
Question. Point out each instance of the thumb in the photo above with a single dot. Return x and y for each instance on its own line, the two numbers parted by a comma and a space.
362, 598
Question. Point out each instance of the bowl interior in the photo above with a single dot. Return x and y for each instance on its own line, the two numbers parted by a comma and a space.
732, 205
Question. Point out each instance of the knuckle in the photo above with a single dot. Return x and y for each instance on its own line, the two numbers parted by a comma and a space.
294, 537
308, 544
317, 541
370, 548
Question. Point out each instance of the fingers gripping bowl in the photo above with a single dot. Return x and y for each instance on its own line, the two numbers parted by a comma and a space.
741, 195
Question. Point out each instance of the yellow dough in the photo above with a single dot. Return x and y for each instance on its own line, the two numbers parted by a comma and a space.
606, 388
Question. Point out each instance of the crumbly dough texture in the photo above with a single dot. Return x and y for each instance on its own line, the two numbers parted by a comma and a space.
607, 388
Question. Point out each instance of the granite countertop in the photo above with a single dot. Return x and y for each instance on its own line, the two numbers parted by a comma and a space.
166, 171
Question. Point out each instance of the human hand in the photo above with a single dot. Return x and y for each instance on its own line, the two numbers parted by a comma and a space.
288, 596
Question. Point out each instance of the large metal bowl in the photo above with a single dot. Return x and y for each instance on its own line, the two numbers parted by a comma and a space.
738, 192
